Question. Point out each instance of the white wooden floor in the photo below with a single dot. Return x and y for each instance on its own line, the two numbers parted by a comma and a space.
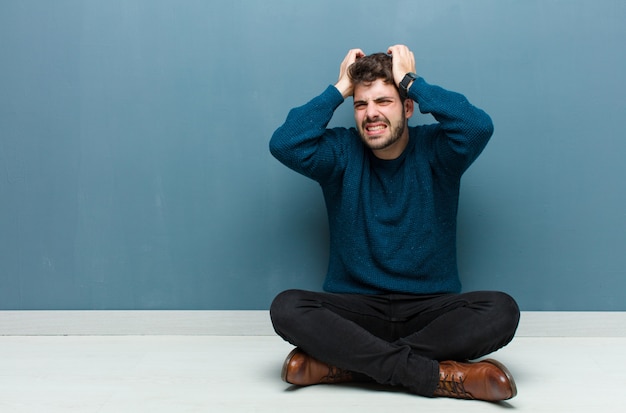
114, 374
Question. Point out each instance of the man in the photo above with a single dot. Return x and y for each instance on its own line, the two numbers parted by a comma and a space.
392, 311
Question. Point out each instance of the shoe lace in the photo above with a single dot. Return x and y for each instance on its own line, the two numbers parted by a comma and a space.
336, 374
450, 385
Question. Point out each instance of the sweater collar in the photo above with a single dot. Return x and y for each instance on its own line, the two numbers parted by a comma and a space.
391, 163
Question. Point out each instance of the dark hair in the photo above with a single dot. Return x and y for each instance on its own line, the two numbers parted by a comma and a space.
370, 68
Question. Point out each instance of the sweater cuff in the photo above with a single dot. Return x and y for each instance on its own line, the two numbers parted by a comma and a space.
334, 94
417, 84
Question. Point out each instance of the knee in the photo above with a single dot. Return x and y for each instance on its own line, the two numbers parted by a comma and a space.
283, 309
507, 311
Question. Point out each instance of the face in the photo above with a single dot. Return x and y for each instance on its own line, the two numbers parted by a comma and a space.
381, 118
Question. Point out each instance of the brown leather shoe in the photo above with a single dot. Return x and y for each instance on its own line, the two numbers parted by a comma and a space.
484, 380
303, 370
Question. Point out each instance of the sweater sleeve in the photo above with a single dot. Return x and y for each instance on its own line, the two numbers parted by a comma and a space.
304, 144
463, 129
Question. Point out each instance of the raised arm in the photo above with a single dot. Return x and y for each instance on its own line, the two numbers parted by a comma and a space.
303, 143
465, 129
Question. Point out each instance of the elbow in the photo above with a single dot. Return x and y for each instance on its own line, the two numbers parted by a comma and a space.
484, 129
487, 125
273, 147
276, 146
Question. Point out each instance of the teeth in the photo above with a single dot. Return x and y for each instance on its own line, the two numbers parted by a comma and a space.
375, 128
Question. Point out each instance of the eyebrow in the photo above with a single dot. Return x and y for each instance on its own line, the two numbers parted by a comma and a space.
378, 99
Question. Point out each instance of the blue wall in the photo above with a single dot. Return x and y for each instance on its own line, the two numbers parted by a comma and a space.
134, 170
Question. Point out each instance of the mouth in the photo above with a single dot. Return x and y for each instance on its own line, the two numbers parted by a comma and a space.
374, 129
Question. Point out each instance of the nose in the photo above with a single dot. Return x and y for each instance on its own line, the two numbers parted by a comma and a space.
371, 111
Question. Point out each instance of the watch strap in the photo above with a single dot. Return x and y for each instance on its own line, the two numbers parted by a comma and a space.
404, 84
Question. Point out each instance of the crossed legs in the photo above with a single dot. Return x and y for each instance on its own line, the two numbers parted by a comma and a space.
395, 339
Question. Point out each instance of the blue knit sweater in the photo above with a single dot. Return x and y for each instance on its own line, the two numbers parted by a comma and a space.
392, 223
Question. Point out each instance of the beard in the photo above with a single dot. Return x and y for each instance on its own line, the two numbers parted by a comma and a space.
395, 133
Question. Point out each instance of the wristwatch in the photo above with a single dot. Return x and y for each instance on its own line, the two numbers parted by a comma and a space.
404, 84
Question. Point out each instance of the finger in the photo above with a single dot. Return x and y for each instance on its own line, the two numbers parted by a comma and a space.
398, 49
402, 56
355, 54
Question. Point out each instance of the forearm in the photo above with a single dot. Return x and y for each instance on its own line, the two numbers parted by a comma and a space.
296, 142
466, 127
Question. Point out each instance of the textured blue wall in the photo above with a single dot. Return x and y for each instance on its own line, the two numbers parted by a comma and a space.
134, 170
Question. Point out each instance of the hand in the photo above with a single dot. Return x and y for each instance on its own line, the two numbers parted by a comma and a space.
402, 61
344, 84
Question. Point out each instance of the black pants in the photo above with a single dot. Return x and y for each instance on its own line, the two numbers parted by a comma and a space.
395, 339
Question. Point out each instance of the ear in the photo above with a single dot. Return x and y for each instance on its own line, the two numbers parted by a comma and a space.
408, 107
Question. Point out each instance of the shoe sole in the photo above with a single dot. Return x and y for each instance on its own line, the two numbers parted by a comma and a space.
284, 371
507, 373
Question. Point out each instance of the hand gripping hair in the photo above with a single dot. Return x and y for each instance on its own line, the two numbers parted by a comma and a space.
369, 68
